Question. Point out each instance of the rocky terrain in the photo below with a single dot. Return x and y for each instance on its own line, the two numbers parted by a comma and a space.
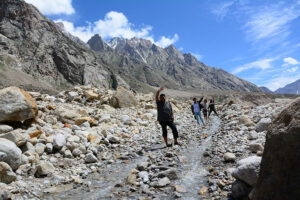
93, 143
265, 89
148, 63
52, 59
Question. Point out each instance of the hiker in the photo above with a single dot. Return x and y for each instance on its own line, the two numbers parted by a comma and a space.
212, 107
204, 110
165, 117
196, 110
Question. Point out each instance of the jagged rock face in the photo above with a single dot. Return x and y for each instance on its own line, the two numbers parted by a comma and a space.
97, 44
43, 50
279, 176
176, 68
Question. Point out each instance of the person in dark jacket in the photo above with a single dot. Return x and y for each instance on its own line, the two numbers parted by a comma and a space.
204, 110
211, 107
165, 117
196, 110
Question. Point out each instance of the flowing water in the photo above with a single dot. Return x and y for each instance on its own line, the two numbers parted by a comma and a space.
191, 174
193, 171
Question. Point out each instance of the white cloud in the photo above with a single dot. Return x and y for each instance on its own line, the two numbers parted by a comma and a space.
260, 64
290, 61
281, 81
84, 33
53, 7
198, 56
221, 10
115, 24
164, 41
271, 22
294, 69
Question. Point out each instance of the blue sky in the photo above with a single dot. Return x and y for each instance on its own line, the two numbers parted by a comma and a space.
255, 40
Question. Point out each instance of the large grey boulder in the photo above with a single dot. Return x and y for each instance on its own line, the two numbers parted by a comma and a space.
59, 140
123, 98
11, 154
243, 119
16, 105
44, 169
6, 174
247, 170
263, 124
279, 176
5, 128
240, 190
16, 136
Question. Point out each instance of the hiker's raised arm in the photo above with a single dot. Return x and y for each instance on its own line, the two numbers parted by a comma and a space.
157, 93
201, 99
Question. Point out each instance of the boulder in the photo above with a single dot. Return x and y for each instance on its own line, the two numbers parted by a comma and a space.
263, 124
123, 98
163, 182
229, 157
11, 154
131, 179
125, 119
253, 135
16, 105
59, 141
91, 95
144, 176
170, 173
113, 139
40, 148
247, 170
255, 147
240, 190
16, 136
90, 158
6, 173
245, 120
4, 192
5, 128
69, 113
279, 176
44, 168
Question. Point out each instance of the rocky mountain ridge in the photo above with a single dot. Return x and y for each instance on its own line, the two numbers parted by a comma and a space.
34, 45
265, 89
292, 88
179, 69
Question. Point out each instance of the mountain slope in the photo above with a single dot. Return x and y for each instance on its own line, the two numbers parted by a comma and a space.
293, 88
44, 51
266, 90
174, 68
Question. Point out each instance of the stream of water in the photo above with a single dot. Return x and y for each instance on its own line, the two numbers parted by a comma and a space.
191, 174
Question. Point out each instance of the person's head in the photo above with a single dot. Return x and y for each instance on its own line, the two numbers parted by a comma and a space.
205, 100
211, 101
162, 97
195, 100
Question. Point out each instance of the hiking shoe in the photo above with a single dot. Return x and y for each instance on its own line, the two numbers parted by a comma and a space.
169, 145
177, 144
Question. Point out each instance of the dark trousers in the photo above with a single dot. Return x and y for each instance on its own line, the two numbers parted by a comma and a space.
212, 110
172, 125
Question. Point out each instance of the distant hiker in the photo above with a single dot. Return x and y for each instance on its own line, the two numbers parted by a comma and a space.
205, 109
196, 110
212, 107
165, 116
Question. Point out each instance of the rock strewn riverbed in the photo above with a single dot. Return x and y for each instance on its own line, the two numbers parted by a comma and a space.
82, 147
